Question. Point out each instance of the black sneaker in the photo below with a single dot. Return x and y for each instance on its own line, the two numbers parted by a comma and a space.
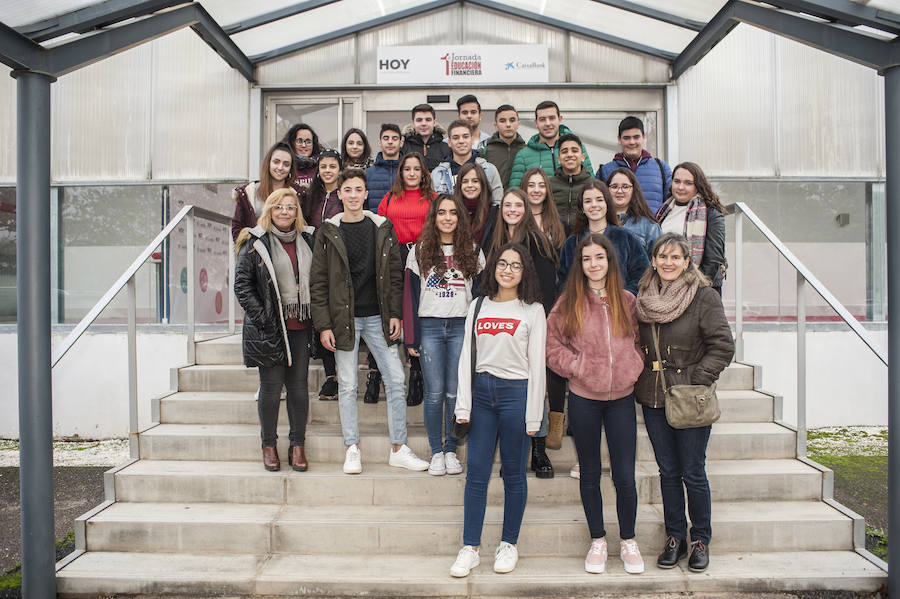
674, 550
699, 560
373, 385
329, 391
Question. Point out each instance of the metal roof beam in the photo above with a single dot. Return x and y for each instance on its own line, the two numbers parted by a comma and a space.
845, 12
93, 17
659, 15
20, 53
81, 52
573, 28
327, 37
288, 11
833, 39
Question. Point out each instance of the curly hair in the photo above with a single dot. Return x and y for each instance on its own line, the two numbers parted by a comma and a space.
528, 290
292, 134
429, 249
704, 188
581, 219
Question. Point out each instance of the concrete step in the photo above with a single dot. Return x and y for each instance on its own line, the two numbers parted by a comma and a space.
324, 443
222, 407
380, 484
547, 530
109, 573
235, 377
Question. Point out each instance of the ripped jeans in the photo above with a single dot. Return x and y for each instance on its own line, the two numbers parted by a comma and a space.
441, 344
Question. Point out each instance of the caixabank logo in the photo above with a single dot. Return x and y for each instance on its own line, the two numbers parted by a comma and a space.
462, 65
518, 65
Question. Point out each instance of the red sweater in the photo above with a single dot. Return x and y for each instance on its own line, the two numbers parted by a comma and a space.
407, 213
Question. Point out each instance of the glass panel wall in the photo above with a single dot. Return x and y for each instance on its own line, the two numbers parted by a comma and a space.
7, 254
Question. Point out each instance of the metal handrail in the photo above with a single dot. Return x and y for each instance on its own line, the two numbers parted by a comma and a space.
804, 277
127, 280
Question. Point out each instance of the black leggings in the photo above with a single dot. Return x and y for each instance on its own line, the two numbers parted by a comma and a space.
294, 377
556, 391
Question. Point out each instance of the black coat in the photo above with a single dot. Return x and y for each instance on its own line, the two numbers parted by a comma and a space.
264, 334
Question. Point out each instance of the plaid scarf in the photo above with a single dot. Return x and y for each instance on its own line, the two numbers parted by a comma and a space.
694, 225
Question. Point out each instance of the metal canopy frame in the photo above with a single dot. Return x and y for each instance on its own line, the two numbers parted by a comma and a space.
659, 15
833, 39
843, 12
93, 17
275, 15
21, 53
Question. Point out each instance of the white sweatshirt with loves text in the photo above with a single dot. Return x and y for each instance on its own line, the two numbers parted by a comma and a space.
511, 340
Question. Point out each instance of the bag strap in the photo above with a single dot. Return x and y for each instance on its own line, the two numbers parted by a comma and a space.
662, 173
478, 303
659, 361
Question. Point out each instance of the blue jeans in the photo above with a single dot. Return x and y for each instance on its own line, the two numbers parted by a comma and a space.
681, 456
589, 417
498, 413
369, 328
441, 344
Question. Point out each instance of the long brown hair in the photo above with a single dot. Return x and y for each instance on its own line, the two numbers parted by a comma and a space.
528, 289
637, 206
266, 185
704, 189
484, 197
429, 249
551, 223
526, 231
424, 184
574, 300
581, 219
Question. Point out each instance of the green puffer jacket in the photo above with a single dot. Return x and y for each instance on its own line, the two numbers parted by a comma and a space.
539, 154
565, 190
331, 287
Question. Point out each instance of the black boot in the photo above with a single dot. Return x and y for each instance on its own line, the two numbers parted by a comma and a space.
674, 550
699, 560
540, 463
373, 386
416, 391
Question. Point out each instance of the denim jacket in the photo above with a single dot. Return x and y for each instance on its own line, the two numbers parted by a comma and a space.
643, 228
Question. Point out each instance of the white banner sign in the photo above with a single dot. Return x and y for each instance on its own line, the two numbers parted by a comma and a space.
418, 65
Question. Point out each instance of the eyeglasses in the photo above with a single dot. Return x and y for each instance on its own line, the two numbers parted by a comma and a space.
285, 208
513, 266
622, 187
303, 142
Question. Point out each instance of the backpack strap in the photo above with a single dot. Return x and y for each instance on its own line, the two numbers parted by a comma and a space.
662, 173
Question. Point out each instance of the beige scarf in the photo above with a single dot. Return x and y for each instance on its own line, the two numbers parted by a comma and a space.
664, 303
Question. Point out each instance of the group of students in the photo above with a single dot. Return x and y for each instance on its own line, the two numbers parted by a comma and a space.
484, 292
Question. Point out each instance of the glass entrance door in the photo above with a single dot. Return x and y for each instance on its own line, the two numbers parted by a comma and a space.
329, 116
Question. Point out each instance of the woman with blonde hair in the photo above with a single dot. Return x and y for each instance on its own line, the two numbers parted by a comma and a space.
271, 282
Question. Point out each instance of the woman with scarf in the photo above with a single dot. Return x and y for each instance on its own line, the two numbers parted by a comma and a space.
271, 282
305, 143
693, 209
675, 298
355, 150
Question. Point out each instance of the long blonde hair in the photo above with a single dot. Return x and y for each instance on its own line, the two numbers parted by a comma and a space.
265, 218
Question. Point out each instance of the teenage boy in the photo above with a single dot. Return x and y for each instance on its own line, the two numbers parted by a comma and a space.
469, 109
369, 307
425, 137
569, 178
443, 177
502, 147
542, 149
654, 175
382, 173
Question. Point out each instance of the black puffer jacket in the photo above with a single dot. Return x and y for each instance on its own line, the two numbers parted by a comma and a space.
696, 347
265, 334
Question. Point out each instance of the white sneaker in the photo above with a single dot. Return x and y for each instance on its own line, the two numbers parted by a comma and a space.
353, 461
405, 458
631, 556
575, 472
466, 559
595, 561
505, 558
437, 466
452, 463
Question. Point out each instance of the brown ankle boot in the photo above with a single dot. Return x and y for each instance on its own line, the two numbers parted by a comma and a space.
555, 430
298, 459
270, 459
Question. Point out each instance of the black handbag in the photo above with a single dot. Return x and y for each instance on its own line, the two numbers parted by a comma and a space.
461, 429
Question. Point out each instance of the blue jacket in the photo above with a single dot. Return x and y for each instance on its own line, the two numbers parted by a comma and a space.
630, 254
380, 177
646, 230
648, 175
443, 180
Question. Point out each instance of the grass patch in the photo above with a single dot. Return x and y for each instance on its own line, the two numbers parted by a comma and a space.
877, 542
11, 580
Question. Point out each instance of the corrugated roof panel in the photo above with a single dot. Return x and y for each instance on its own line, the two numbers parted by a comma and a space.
229, 12
20, 12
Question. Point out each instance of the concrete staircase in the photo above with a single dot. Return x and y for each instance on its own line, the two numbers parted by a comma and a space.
198, 515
